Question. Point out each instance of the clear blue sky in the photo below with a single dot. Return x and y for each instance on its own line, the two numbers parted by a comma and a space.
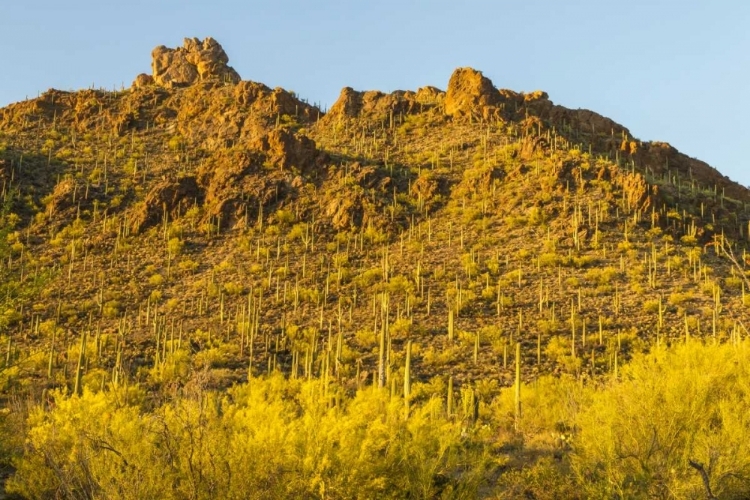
671, 70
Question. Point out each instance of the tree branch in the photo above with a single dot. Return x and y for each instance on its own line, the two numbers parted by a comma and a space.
704, 476
721, 246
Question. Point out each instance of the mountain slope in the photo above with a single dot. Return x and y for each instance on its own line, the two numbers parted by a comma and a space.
202, 224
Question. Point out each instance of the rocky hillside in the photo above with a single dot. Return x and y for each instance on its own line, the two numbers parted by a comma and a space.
197, 227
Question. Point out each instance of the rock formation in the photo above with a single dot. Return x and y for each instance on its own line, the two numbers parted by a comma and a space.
143, 80
470, 93
287, 150
375, 104
194, 62
169, 197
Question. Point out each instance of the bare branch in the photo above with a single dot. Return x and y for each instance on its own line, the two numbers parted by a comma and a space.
704, 476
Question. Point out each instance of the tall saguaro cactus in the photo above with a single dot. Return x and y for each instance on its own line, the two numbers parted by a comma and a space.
78, 387
407, 378
517, 387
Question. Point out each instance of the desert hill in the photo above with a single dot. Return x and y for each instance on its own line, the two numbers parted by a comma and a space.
198, 197
196, 228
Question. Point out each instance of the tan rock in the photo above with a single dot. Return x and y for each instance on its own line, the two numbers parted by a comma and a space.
470, 93
429, 95
287, 150
196, 61
172, 196
375, 104
143, 80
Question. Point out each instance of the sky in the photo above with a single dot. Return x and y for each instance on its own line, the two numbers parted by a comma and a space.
671, 70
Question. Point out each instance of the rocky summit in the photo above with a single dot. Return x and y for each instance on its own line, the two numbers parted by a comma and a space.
463, 293
196, 61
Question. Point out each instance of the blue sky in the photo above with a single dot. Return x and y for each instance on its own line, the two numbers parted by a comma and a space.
671, 70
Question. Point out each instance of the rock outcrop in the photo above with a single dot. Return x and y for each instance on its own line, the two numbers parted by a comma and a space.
274, 102
375, 104
194, 62
471, 94
358, 208
232, 184
143, 80
288, 150
168, 198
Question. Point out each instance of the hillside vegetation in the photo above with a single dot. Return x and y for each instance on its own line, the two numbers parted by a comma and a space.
214, 289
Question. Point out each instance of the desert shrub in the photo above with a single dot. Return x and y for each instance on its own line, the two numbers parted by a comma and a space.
548, 404
212, 446
156, 280
545, 479
670, 407
651, 306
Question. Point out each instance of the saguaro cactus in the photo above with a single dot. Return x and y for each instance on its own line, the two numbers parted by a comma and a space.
407, 378
517, 387
78, 387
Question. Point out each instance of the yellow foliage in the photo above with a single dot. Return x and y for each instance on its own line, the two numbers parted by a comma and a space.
278, 436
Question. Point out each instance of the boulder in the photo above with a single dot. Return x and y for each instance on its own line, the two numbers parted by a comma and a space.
143, 80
